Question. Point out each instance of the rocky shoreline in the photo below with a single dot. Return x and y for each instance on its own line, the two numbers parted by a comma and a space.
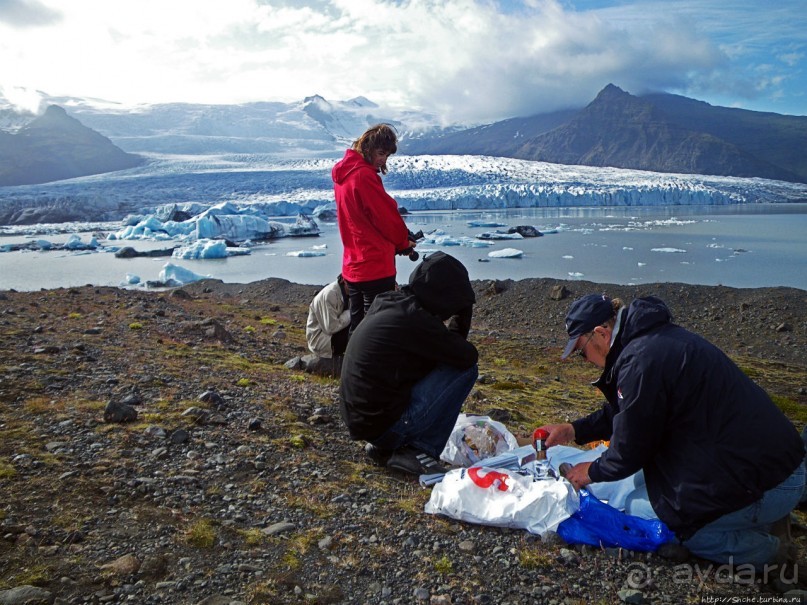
154, 448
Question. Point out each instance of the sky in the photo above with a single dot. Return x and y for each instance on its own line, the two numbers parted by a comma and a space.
465, 61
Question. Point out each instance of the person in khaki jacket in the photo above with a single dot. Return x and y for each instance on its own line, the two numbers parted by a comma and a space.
326, 330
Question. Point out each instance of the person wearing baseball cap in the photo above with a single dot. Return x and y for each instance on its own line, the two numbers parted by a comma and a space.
584, 315
721, 464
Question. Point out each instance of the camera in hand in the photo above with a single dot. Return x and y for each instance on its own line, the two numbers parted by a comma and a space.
410, 252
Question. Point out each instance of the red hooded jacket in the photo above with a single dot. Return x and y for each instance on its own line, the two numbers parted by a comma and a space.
370, 225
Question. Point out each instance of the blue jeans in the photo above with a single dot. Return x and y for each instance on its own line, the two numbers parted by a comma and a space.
742, 536
432, 413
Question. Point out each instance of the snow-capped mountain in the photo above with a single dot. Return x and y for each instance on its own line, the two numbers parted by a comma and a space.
313, 127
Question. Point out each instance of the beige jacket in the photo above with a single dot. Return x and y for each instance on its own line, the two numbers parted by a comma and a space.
327, 315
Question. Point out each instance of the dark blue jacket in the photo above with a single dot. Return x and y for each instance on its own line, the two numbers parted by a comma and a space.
709, 439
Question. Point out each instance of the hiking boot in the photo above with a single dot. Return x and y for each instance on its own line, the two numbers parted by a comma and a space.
377, 455
673, 551
781, 529
786, 578
411, 461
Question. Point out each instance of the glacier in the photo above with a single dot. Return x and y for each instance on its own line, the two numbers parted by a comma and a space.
259, 187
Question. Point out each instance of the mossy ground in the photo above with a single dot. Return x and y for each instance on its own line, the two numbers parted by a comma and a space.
169, 359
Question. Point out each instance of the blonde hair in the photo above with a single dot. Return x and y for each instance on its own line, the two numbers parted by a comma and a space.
616, 305
381, 137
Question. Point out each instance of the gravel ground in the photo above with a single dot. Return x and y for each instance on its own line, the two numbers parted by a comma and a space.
155, 449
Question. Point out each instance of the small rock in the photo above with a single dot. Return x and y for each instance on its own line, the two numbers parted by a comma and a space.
132, 399
198, 414
631, 596
26, 595
295, 363
181, 294
559, 292
279, 528
123, 566
568, 556
212, 398
118, 412
180, 436
154, 567
49, 350
551, 538
467, 546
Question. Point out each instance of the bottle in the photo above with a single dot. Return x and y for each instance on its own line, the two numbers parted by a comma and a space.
539, 437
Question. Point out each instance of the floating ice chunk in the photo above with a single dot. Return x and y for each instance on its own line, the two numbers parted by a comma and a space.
669, 250
305, 253
444, 240
74, 243
132, 279
236, 227
485, 224
320, 247
627, 248
203, 248
499, 235
568, 256
642, 264
175, 275
506, 253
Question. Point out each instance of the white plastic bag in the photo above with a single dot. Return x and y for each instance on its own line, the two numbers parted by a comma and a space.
503, 498
475, 438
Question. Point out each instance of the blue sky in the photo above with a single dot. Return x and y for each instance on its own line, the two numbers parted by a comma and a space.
469, 61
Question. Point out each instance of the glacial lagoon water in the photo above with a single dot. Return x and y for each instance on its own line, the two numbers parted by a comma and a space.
740, 246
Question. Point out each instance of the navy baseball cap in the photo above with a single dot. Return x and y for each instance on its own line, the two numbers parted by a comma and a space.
584, 315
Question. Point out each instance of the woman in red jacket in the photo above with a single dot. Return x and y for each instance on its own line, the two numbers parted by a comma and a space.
370, 225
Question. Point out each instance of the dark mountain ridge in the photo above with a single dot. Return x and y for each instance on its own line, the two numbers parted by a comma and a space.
657, 132
55, 146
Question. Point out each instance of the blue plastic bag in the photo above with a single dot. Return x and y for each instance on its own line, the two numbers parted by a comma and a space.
598, 524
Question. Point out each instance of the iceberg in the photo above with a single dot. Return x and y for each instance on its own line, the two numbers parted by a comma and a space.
305, 253
74, 243
499, 235
205, 248
174, 275
224, 221
506, 253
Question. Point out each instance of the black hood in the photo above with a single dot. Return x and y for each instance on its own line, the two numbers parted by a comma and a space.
441, 285
644, 314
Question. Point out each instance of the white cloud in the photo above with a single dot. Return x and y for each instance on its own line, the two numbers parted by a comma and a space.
471, 60
27, 13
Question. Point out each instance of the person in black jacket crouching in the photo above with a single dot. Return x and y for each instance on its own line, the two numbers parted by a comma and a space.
721, 463
406, 373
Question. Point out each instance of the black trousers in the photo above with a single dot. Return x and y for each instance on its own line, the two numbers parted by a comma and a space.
362, 294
